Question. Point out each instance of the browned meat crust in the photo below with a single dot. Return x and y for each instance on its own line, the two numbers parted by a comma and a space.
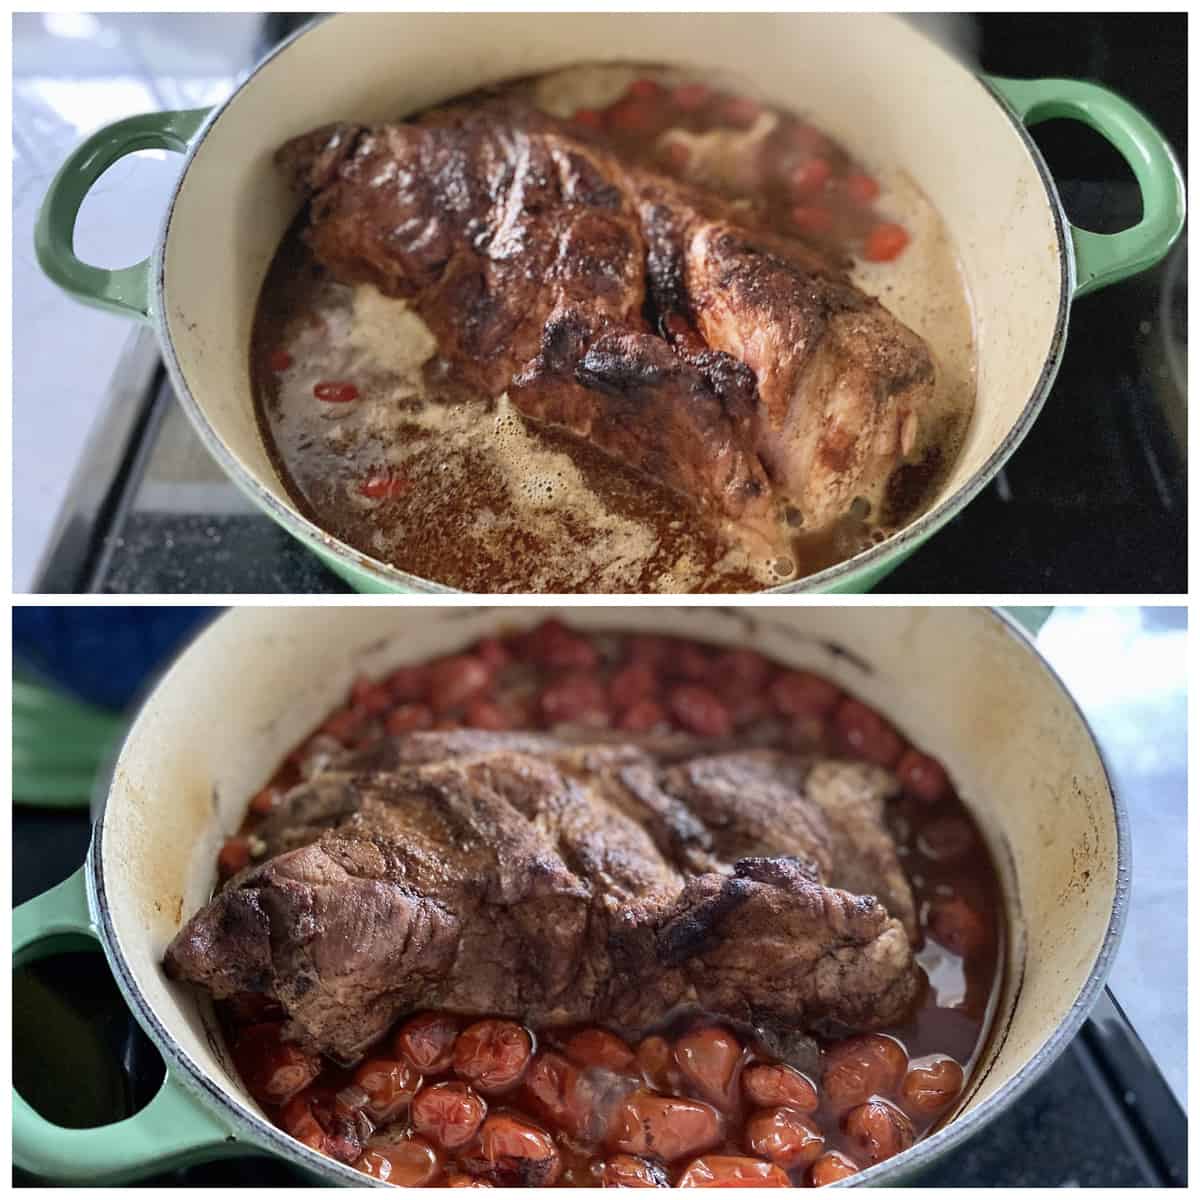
550, 881
738, 367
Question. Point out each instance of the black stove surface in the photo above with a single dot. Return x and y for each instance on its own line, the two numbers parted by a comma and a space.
1092, 501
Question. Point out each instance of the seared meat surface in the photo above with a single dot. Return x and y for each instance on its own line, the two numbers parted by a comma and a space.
557, 882
738, 367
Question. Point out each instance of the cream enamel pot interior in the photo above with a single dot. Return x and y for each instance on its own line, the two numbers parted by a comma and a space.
873, 82
963, 683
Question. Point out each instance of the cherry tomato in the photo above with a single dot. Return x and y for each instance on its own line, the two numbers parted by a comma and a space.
642, 717
409, 717
370, 696
808, 219
784, 1136
599, 1048
747, 670
879, 1130
863, 733
273, 1070
411, 1162
493, 652
552, 644
493, 1054
810, 177
803, 694
708, 1059
699, 710
519, 1153
589, 118
772, 1085
335, 392
831, 1167
688, 97
384, 485
449, 1114
727, 1170
266, 802
627, 1170
637, 681
946, 839
279, 360
455, 680
427, 1041
632, 115
858, 1068
556, 1087
861, 189
932, 1083
645, 89
739, 111
957, 926
656, 1061
406, 684
885, 242
234, 856
578, 698
390, 1085
923, 777
484, 714
664, 1127
344, 724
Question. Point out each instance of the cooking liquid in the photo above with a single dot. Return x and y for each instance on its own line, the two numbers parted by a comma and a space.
460, 489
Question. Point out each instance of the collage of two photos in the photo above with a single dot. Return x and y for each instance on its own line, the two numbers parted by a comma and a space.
394, 800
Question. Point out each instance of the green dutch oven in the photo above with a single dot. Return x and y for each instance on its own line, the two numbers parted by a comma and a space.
870, 80
965, 683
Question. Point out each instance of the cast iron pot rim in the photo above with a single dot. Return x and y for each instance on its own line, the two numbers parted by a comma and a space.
258, 1133
895, 547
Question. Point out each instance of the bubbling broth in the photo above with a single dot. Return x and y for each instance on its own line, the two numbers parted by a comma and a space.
378, 441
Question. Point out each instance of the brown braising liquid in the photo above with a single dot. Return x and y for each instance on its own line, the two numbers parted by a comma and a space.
462, 490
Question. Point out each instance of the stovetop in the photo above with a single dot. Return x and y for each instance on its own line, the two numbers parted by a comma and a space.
1092, 501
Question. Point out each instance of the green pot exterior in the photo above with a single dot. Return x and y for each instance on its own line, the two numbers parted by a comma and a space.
174, 1130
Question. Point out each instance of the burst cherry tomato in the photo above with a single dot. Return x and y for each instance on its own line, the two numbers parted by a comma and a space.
688, 97
727, 1170
627, 1170
770, 1086
279, 360
599, 1048
492, 1054
411, 1162
664, 1127
427, 1041
273, 1070
699, 710
932, 1083
784, 1136
390, 1086
803, 694
858, 1068
455, 680
409, 717
708, 1059
923, 777
878, 1130
449, 1114
519, 1153
831, 1167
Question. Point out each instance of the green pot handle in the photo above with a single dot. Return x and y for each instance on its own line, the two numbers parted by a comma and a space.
127, 291
174, 1129
1104, 258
